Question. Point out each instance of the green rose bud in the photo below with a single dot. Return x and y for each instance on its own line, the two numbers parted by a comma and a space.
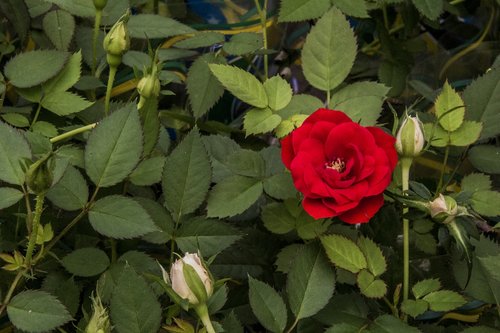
117, 41
410, 137
99, 322
39, 176
100, 4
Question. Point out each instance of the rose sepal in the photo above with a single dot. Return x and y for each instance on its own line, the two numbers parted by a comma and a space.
194, 283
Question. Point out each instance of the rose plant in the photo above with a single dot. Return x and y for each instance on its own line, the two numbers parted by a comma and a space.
300, 170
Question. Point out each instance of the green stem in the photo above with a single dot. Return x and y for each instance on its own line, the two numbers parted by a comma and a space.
34, 230
263, 21
328, 98
293, 325
72, 133
111, 79
405, 177
202, 312
37, 113
12, 288
443, 171
95, 36
29, 212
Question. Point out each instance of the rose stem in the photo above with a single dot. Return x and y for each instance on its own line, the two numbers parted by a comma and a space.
405, 175
111, 79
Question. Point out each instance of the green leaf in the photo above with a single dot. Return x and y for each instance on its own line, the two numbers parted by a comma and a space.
429, 8
16, 119
309, 228
155, 26
17, 13
485, 158
482, 98
329, 51
219, 148
424, 287
134, 307
280, 186
232, 196
444, 300
361, 101
37, 311
71, 192
150, 124
63, 103
14, 149
370, 286
393, 74
186, 176
414, 308
374, 257
486, 203
480, 329
136, 59
114, 147
277, 219
474, 182
203, 39
208, 236
232, 324
267, 305
279, 92
86, 262
44, 128
161, 218
284, 128
355, 8
81, 8
9, 196
244, 43
246, 162
203, 87
310, 282
59, 26
344, 253
259, 121
120, 217
32, 68
450, 108
391, 324
68, 76
301, 105
241, 84
301, 10
66, 290
113, 11
148, 172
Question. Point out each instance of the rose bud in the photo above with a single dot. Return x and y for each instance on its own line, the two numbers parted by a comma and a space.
117, 41
190, 279
443, 208
99, 322
100, 4
39, 176
148, 87
410, 138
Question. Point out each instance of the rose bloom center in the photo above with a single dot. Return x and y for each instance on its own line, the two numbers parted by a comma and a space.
337, 165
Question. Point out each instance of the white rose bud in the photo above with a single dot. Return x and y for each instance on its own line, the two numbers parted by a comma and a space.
443, 208
199, 280
410, 137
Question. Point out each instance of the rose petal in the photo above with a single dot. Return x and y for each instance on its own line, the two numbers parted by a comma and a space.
366, 209
317, 209
287, 152
333, 116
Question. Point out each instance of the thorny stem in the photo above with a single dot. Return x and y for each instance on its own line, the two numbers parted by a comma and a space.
72, 133
95, 36
29, 214
34, 230
263, 21
405, 175
111, 79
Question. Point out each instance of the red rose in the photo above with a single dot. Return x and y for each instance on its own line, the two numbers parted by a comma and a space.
340, 167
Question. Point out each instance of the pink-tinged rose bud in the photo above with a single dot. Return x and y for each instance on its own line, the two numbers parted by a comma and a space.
180, 283
410, 138
443, 208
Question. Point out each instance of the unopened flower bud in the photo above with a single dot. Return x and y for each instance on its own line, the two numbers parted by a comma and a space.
117, 41
148, 87
443, 208
190, 279
100, 4
410, 137
39, 176
99, 322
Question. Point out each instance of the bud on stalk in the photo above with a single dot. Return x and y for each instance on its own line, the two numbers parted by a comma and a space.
410, 137
39, 176
99, 322
117, 41
100, 4
443, 209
